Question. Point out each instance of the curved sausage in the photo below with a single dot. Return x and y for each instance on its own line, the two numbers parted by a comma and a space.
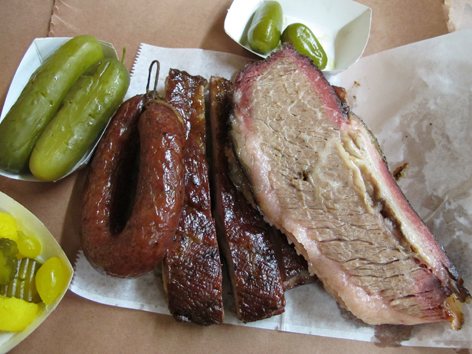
113, 243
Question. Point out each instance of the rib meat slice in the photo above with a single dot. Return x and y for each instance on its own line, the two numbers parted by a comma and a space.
244, 236
192, 269
293, 267
317, 174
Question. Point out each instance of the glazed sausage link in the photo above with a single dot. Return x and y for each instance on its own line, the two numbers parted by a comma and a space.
142, 242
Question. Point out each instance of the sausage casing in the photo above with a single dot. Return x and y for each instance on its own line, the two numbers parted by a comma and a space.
113, 243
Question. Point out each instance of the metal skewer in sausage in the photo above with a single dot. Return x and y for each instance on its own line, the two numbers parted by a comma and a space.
128, 243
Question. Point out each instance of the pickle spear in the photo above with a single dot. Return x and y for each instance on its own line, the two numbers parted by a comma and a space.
41, 98
86, 110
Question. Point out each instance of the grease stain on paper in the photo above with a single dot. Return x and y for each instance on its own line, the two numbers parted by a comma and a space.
391, 335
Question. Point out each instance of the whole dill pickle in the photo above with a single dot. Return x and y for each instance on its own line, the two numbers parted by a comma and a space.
305, 42
85, 112
266, 26
42, 97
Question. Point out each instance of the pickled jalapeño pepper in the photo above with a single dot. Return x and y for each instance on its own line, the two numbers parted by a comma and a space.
305, 42
266, 26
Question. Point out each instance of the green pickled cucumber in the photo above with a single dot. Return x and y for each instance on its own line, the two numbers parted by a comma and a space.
266, 26
84, 114
8, 252
306, 43
41, 99
23, 285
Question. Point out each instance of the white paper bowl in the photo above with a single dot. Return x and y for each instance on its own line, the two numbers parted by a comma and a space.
38, 51
32, 226
341, 26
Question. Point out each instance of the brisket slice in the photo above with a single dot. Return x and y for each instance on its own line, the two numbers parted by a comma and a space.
192, 269
317, 174
292, 266
243, 235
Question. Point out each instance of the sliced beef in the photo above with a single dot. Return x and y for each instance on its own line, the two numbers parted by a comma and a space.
192, 268
317, 174
244, 237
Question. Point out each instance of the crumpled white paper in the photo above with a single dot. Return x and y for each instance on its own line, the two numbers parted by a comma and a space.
459, 14
417, 100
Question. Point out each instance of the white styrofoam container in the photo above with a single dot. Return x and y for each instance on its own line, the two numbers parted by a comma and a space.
38, 51
32, 226
341, 26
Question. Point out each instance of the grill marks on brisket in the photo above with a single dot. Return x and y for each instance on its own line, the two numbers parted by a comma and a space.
317, 174
192, 268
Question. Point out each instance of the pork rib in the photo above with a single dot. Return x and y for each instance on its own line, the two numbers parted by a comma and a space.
318, 175
192, 269
244, 237
293, 267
